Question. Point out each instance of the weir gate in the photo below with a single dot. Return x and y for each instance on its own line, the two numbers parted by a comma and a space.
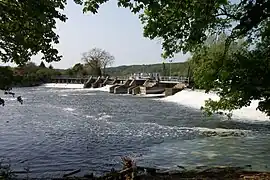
167, 85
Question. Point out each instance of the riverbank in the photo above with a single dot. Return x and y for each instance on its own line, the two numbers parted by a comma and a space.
132, 172
141, 173
212, 174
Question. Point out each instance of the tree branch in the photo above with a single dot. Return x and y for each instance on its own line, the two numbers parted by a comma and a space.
224, 12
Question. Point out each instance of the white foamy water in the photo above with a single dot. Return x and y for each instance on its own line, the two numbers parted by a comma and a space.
105, 88
12, 99
196, 99
69, 109
63, 85
63, 95
101, 128
78, 87
199, 129
150, 95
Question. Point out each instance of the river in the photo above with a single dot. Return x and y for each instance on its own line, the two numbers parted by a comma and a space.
58, 130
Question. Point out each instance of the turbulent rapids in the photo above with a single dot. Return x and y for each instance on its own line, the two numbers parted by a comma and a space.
193, 99
60, 127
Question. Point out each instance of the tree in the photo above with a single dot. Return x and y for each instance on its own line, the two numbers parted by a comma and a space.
6, 78
42, 65
69, 72
31, 75
97, 59
164, 69
50, 67
26, 28
185, 25
77, 67
243, 78
29, 67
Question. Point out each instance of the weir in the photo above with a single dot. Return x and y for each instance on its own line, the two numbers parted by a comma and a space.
98, 82
167, 85
122, 89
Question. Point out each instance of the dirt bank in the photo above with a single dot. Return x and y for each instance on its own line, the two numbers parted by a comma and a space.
214, 173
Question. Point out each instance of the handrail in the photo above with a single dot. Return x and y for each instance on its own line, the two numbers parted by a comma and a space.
161, 78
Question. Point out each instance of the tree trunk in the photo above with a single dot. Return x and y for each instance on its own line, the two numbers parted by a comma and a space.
104, 71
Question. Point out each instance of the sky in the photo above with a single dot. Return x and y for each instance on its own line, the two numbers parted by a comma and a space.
113, 29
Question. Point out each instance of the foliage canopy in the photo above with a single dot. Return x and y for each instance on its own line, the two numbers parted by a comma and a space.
185, 25
26, 28
243, 77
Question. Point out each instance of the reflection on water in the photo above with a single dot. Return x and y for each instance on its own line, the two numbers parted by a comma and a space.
57, 130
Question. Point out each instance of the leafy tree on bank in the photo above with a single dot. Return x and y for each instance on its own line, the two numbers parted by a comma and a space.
42, 65
242, 78
241, 75
78, 70
29, 67
98, 60
69, 72
31, 75
6, 78
185, 25
26, 29
163, 69
50, 67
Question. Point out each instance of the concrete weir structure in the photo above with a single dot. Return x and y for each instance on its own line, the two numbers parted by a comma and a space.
127, 86
122, 88
96, 82
147, 86
130, 85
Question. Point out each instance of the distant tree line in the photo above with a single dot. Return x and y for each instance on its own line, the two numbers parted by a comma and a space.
95, 62
31, 75
177, 69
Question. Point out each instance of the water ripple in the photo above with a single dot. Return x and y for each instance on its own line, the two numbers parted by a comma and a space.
59, 129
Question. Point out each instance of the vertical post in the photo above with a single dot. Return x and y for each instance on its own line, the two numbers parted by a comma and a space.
163, 69
170, 67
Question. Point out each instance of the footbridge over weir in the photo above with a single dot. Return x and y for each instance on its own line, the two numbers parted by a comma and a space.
83, 80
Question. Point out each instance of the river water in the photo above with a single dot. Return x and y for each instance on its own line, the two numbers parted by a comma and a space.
58, 130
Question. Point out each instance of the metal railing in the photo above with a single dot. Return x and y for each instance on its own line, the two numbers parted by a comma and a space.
69, 77
174, 78
161, 78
